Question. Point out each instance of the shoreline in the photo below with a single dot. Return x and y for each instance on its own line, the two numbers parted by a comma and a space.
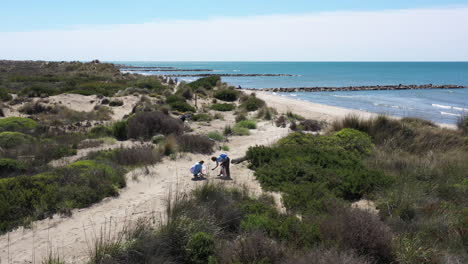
318, 111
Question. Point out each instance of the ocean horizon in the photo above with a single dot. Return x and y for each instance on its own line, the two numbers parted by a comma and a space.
438, 105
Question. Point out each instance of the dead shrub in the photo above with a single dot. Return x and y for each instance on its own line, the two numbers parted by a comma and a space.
253, 247
329, 256
358, 230
139, 155
195, 144
147, 124
33, 108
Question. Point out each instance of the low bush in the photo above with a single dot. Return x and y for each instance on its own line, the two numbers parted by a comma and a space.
281, 121
13, 139
200, 248
205, 83
300, 159
308, 125
252, 103
158, 139
228, 95
249, 124
120, 130
11, 166
101, 131
202, 117
17, 124
5, 95
223, 107
170, 146
182, 107
227, 131
114, 103
77, 185
195, 144
328, 256
33, 108
147, 124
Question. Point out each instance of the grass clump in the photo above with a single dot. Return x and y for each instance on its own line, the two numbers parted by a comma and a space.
202, 117
215, 135
240, 131
11, 167
249, 124
228, 95
462, 124
120, 130
17, 124
223, 107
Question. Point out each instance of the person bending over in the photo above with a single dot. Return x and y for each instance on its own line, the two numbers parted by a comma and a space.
223, 160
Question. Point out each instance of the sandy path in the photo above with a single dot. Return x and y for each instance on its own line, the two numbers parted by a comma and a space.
143, 197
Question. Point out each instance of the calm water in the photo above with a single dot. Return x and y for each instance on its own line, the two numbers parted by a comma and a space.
443, 106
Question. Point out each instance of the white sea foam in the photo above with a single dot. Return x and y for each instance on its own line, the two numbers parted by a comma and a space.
442, 106
449, 114
460, 108
346, 96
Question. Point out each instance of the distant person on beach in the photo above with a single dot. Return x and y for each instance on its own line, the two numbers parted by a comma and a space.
223, 160
197, 170
239, 87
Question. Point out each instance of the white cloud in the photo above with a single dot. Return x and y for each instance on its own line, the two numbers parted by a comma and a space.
393, 35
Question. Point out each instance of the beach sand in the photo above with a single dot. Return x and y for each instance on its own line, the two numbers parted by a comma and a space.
148, 188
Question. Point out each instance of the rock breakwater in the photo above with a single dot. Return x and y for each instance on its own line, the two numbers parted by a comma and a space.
358, 88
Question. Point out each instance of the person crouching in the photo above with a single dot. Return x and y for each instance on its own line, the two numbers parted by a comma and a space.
197, 170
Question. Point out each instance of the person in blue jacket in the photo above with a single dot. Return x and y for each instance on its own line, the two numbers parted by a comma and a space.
196, 170
224, 161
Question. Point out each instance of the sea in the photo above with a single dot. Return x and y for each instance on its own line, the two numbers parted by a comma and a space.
438, 105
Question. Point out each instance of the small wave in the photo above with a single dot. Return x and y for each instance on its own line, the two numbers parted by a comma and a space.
442, 106
449, 114
236, 70
293, 95
460, 108
346, 96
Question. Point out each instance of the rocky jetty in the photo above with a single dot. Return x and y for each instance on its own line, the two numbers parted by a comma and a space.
359, 88
228, 75
165, 70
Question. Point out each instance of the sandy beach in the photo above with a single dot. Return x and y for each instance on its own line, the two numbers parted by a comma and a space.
148, 189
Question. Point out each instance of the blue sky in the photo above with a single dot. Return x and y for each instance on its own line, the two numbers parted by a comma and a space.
235, 30
30, 15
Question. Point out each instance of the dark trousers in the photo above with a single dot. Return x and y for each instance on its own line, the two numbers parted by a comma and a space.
225, 165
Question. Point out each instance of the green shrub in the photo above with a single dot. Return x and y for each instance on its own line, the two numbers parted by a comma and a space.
200, 247
249, 124
202, 117
77, 185
228, 95
223, 107
252, 103
215, 135
303, 158
182, 107
354, 140
224, 148
116, 103
205, 83
101, 131
5, 95
158, 139
240, 131
13, 139
17, 124
120, 130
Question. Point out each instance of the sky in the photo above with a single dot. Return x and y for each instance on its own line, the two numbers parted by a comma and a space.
235, 30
